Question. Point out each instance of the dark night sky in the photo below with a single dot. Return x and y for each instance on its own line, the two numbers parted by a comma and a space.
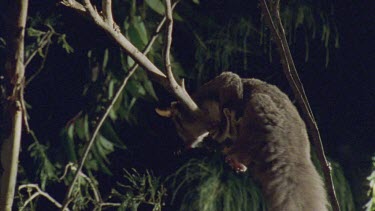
349, 84
344, 93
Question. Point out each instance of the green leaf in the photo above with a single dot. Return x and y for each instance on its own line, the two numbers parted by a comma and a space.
135, 88
105, 147
34, 32
105, 59
67, 135
141, 29
81, 128
64, 44
150, 89
156, 5
177, 17
102, 148
108, 132
135, 37
111, 88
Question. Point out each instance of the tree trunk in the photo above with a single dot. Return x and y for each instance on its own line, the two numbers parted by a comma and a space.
12, 111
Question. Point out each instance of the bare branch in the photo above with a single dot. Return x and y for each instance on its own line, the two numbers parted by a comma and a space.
39, 192
107, 11
39, 70
110, 204
178, 90
88, 10
74, 5
133, 52
291, 73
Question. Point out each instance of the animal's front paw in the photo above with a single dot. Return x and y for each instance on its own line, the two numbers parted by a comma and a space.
236, 165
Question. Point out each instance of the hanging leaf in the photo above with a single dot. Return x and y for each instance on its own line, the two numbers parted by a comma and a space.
64, 44
150, 89
109, 133
156, 5
35, 32
105, 59
141, 29
67, 136
81, 128
102, 148
135, 88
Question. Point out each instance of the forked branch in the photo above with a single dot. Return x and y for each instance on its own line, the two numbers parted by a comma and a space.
271, 15
109, 25
38, 192
106, 23
113, 31
179, 90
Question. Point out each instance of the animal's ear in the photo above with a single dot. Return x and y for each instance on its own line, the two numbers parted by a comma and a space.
164, 112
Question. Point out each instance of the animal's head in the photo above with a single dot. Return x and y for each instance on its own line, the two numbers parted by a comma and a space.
193, 127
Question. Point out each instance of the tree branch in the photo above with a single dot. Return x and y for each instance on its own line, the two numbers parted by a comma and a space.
278, 34
38, 192
12, 109
105, 114
88, 10
107, 11
178, 90
74, 5
46, 39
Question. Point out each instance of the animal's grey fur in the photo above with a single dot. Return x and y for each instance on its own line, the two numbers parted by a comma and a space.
269, 138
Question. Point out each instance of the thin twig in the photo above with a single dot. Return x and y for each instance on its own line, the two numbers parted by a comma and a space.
110, 204
105, 114
291, 73
97, 195
24, 111
168, 42
46, 39
39, 70
70, 165
288, 55
39, 192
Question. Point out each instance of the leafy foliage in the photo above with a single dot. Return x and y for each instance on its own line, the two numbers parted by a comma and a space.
209, 185
370, 205
46, 171
239, 42
140, 189
342, 188
343, 191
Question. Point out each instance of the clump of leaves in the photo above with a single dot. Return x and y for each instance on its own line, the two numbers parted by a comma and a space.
46, 170
342, 188
140, 189
343, 192
370, 205
209, 185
